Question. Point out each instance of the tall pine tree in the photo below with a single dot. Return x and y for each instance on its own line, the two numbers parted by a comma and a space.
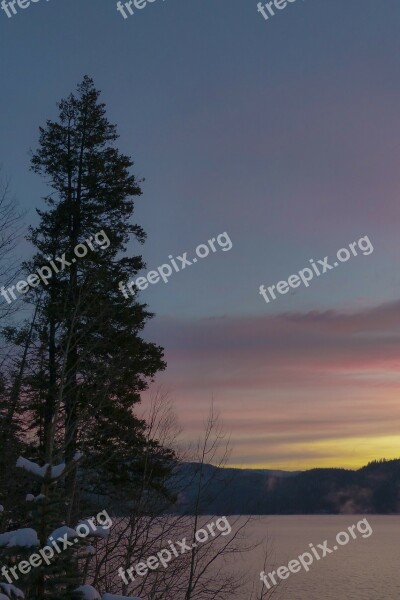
90, 363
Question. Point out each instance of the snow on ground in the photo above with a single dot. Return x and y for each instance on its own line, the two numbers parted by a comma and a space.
20, 537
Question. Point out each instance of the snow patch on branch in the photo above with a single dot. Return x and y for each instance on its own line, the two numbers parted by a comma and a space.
114, 597
10, 589
88, 592
32, 498
24, 538
61, 532
32, 467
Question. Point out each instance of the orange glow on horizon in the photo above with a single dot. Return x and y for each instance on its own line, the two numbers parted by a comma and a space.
349, 453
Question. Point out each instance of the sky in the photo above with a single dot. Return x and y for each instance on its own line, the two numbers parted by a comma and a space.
283, 134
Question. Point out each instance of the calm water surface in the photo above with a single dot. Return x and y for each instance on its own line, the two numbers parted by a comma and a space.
364, 569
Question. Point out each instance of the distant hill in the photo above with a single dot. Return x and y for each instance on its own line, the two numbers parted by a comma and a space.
371, 489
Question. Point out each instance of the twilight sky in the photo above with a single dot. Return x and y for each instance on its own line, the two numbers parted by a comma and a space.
283, 133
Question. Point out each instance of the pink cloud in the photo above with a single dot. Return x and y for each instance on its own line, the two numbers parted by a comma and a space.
294, 378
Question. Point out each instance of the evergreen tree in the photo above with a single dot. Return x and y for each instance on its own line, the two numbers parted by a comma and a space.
88, 364
92, 332
39, 565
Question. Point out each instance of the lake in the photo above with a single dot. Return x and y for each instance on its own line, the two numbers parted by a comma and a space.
364, 569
